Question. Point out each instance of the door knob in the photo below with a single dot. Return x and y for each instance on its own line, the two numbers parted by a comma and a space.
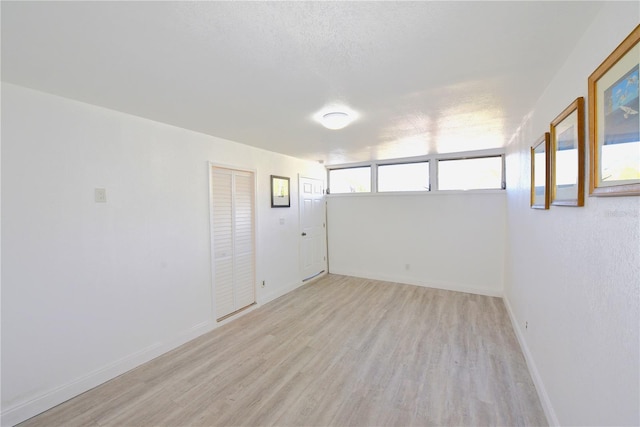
304, 234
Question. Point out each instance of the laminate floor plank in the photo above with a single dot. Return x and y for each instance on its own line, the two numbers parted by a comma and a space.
338, 351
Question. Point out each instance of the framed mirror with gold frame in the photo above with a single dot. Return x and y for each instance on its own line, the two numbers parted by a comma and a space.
568, 156
541, 172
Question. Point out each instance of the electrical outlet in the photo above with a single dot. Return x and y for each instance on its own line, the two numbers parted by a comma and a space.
407, 267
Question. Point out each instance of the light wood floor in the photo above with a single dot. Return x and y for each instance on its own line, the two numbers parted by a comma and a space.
340, 351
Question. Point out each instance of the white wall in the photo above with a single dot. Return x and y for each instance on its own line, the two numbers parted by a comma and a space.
574, 273
91, 290
450, 241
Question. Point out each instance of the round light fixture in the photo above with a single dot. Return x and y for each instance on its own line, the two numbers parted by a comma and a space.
335, 120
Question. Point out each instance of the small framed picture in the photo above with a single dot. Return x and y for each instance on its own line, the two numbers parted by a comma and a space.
541, 172
568, 156
614, 122
280, 192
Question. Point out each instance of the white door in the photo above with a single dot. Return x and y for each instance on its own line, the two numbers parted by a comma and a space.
232, 219
312, 227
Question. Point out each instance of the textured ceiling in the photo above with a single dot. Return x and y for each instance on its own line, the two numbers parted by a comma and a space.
423, 77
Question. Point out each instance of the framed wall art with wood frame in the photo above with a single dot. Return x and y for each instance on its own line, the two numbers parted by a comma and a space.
568, 156
541, 172
614, 122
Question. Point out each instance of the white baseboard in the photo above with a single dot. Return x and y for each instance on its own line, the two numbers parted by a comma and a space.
471, 289
24, 410
549, 412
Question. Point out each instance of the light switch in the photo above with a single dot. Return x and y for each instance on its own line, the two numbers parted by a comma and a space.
282, 221
100, 195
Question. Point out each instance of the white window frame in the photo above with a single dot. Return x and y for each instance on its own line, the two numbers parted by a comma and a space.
503, 185
355, 166
404, 162
433, 172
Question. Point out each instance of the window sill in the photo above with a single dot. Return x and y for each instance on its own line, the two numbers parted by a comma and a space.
418, 193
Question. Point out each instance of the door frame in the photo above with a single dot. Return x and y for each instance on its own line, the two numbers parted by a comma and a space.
300, 229
212, 285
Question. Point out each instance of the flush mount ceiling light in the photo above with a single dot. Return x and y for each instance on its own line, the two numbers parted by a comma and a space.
335, 120
335, 115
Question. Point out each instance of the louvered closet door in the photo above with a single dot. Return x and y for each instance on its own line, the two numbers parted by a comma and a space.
222, 205
232, 198
243, 238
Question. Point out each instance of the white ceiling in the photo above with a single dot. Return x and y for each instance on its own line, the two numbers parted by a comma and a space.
424, 77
